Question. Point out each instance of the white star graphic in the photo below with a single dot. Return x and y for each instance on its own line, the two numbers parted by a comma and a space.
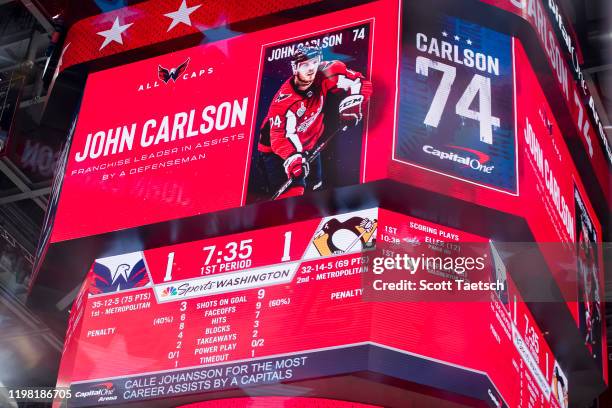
217, 33
181, 15
444, 33
469, 41
456, 38
114, 33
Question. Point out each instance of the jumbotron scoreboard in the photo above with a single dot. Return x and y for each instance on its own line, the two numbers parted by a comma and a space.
428, 125
286, 303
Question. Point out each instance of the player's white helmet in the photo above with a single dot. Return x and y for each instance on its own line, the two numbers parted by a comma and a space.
304, 53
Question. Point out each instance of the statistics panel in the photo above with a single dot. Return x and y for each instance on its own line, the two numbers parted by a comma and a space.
286, 304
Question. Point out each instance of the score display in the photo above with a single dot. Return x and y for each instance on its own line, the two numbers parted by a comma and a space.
286, 304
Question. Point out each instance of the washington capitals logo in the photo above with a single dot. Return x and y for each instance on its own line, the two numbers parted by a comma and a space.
166, 74
119, 273
281, 97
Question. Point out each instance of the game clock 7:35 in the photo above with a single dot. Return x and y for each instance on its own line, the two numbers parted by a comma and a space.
235, 252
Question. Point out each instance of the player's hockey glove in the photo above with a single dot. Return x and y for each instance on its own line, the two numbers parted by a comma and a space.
350, 109
296, 165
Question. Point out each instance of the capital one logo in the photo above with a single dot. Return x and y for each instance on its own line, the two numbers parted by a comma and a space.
474, 159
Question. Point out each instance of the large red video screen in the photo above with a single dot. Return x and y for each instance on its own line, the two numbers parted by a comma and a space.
427, 98
286, 304
198, 138
203, 129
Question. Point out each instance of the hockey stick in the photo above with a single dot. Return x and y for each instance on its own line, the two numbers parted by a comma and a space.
315, 153
357, 239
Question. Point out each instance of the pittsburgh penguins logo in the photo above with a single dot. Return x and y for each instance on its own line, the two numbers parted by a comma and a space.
338, 237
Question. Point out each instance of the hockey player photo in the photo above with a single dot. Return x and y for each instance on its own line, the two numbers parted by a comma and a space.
589, 302
312, 115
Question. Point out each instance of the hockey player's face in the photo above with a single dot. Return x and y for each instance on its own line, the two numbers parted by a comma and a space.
306, 71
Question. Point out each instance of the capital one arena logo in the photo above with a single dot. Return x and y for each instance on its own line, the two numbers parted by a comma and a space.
102, 391
175, 74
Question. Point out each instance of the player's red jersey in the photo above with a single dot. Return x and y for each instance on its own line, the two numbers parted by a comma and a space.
294, 122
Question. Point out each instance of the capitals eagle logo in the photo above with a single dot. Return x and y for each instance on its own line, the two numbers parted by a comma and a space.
166, 74
118, 273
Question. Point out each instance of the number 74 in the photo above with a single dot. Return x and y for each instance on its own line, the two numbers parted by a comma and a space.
479, 84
